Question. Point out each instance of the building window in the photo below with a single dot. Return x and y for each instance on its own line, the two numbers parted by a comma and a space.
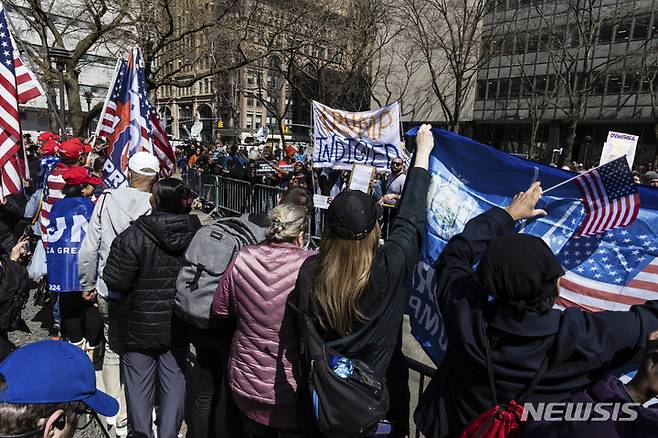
250, 101
514, 88
614, 83
598, 85
642, 29
503, 88
540, 85
605, 33
250, 121
520, 44
623, 33
259, 121
632, 83
533, 42
491, 88
482, 89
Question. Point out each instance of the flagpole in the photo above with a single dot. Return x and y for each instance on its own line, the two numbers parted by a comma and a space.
110, 90
573, 178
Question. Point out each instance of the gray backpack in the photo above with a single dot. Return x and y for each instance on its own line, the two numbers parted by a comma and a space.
209, 254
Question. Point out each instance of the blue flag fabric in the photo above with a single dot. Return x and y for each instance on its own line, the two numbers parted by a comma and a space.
69, 218
610, 271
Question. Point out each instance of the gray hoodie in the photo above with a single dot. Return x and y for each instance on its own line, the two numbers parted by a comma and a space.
114, 211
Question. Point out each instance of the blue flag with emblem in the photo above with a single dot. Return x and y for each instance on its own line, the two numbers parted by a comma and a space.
607, 270
69, 218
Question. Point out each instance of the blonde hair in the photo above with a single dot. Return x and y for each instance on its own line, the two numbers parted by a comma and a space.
285, 223
342, 271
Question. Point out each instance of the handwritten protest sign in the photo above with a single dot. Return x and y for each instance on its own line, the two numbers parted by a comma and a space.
342, 138
361, 177
618, 145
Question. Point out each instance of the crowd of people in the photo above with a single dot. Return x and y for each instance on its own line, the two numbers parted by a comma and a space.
279, 340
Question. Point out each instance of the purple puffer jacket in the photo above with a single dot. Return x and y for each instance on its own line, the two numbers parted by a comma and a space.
255, 288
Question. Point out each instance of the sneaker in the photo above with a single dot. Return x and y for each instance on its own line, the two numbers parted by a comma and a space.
121, 430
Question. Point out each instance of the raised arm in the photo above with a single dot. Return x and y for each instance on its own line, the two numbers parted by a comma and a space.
464, 249
402, 248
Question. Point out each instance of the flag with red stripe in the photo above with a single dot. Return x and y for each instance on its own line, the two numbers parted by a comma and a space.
610, 197
17, 86
129, 122
161, 146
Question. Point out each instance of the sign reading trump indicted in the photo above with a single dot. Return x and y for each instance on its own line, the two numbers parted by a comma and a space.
342, 138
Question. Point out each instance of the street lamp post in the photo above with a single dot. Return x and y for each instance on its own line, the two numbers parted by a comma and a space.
587, 140
60, 56
88, 96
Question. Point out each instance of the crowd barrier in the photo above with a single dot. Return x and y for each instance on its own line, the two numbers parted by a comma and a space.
238, 197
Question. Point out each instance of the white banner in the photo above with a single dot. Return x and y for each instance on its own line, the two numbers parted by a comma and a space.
618, 145
342, 138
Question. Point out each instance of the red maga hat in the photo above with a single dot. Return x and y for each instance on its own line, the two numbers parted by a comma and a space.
71, 149
77, 175
45, 136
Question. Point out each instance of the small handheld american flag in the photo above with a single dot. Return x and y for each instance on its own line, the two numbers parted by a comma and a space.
610, 197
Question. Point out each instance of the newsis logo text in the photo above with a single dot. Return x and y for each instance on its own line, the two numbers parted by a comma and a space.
570, 411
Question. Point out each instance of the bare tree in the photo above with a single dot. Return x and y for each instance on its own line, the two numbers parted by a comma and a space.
451, 35
89, 25
575, 32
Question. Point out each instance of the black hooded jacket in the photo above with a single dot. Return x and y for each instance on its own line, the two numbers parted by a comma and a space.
142, 267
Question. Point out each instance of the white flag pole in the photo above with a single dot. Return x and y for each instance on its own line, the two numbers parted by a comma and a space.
573, 178
110, 90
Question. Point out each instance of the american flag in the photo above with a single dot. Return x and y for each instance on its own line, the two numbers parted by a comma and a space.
108, 117
611, 271
17, 86
610, 196
129, 122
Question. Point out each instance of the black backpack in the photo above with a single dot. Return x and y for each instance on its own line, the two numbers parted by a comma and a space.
348, 406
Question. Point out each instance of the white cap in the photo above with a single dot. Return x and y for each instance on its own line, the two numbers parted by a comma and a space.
144, 163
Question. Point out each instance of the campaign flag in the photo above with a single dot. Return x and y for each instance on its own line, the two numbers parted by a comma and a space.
130, 124
18, 85
610, 197
608, 271
69, 218
342, 138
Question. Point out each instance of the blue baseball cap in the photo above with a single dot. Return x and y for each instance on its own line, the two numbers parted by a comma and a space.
53, 372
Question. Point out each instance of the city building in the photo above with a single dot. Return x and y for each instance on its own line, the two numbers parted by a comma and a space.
270, 92
556, 67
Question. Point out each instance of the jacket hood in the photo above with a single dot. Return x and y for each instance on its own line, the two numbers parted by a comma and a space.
173, 232
125, 206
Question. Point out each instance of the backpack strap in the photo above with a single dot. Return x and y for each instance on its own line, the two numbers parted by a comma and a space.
529, 390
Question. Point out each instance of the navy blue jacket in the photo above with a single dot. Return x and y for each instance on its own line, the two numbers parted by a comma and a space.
587, 345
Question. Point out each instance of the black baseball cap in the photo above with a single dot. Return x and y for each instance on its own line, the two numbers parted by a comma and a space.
352, 215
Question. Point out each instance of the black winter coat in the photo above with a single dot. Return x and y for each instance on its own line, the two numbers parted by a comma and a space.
142, 267
587, 345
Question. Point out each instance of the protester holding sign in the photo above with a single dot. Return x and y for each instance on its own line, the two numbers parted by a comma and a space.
356, 288
81, 323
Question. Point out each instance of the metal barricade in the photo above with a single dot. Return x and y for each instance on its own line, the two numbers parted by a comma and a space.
419, 376
233, 195
264, 198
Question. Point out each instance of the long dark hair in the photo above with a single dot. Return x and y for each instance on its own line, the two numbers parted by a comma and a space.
72, 190
172, 196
